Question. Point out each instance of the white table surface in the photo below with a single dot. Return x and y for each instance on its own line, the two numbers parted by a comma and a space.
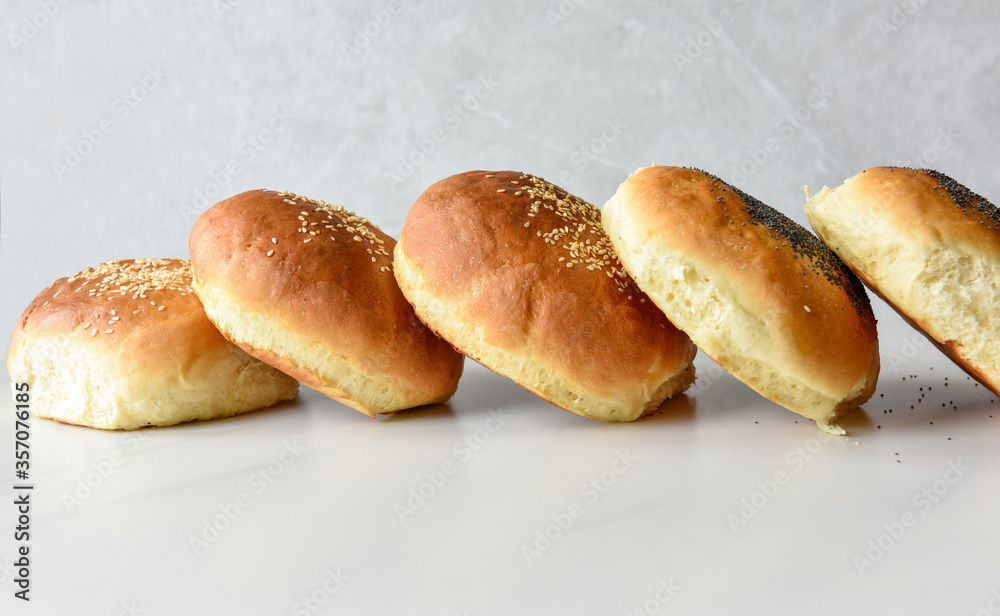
722, 503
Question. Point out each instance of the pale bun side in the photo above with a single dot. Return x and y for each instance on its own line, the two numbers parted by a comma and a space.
307, 287
755, 291
518, 275
127, 345
931, 248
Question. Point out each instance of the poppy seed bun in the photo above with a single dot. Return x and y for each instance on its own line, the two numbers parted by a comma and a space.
931, 248
518, 275
755, 291
308, 288
127, 345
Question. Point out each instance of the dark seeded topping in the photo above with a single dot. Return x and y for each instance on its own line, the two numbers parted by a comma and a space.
965, 199
805, 244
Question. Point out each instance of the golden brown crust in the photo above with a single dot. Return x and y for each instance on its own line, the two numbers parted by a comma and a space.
780, 267
530, 265
325, 274
154, 314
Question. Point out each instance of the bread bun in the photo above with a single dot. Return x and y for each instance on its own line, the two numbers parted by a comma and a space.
931, 248
308, 288
755, 291
127, 345
518, 275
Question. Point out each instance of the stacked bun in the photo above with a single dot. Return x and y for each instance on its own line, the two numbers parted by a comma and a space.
517, 274
307, 287
930, 247
754, 290
127, 345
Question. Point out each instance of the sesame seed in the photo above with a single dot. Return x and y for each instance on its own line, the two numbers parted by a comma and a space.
160, 308
499, 190
110, 331
338, 218
271, 252
274, 240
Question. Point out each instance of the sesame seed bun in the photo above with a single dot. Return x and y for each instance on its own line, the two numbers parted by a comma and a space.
308, 288
127, 345
755, 291
930, 247
518, 275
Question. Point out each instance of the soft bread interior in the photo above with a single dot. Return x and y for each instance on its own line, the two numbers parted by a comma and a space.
468, 337
948, 288
717, 317
75, 385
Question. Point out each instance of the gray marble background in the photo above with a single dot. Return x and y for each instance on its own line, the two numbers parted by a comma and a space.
122, 121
